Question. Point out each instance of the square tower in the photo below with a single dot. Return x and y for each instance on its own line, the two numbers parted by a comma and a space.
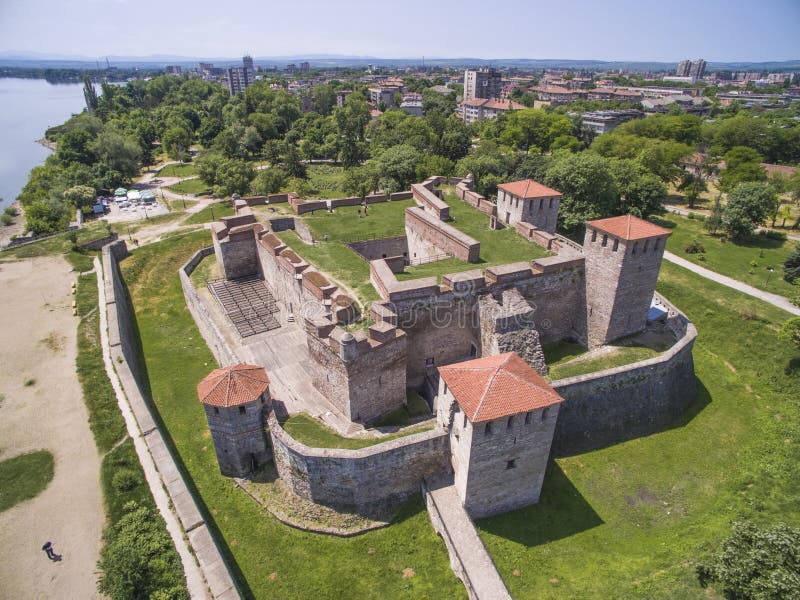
501, 415
623, 256
528, 201
236, 400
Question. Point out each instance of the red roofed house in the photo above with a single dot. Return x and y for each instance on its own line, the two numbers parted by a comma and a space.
236, 400
478, 109
528, 201
623, 257
501, 415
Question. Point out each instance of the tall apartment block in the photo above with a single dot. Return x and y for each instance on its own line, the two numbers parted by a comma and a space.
481, 83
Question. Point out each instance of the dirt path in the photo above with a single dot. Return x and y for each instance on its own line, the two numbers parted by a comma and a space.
35, 302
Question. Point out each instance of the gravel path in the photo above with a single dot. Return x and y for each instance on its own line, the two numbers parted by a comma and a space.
773, 299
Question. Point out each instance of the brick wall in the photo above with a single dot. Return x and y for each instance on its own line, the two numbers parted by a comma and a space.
429, 236
381, 248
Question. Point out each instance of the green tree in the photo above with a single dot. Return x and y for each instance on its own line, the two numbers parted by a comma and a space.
361, 181
433, 164
292, 161
269, 181
693, 185
117, 153
176, 141
139, 560
790, 332
80, 196
534, 129
46, 216
233, 176
74, 146
641, 192
791, 266
588, 188
398, 167
755, 563
89, 94
748, 206
713, 222
351, 121
741, 166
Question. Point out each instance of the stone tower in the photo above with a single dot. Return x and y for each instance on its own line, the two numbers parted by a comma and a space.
501, 415
528, 201
236, 400
623, 257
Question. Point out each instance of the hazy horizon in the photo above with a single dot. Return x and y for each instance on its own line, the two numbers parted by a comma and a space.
627, 31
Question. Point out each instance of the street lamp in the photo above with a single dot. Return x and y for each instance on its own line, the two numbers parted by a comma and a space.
770, 270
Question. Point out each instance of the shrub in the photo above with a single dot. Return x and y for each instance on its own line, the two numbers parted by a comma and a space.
694, 247
6, 219
773, 235
11, 211
756, 563
791, 267
125, 480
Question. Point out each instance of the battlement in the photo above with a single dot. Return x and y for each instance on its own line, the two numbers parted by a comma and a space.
425, 196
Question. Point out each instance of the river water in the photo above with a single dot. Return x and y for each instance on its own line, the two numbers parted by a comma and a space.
27, 108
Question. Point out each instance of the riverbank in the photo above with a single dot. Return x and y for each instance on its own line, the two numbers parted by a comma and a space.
16, 228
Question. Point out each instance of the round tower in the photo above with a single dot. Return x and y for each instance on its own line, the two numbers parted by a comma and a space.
236, 400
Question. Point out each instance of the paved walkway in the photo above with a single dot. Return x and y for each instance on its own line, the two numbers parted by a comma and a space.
773, 299
468, 556
38, 344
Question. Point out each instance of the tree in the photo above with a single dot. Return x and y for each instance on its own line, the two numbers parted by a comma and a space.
713, 221
233, 176
269, 181
360, 181
641, 192
139, 560
117, 153
433, 164
756, 563
588, 188
791, 266
292, 161
80, 196
176, 141
46, 216
790, 331
532, 128
741, 165
398, 167
693, 185
74, 146
351, 120
748, 206
89, 94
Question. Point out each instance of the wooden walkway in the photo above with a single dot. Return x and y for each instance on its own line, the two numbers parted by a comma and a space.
247, 303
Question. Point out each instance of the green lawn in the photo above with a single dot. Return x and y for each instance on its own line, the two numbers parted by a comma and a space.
384, 219
415, 407
189, 186
24, 477
324, 181
61, 244
184, 170
210, 213
309, 431
733, 258
271, 560
632, 520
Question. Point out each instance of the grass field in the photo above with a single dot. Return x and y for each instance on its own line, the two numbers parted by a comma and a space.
61, 244
189, 186
323, 182
309, 431
733, 258
210, 213
631, 520
271, 560
184, 170
23, 477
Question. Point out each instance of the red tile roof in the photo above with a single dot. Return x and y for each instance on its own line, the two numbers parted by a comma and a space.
528, 188
231, 386
497, 386
628, 227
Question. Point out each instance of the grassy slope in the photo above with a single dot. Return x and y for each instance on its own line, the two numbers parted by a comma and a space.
307, 565
189, 186
733, 258
23, 477
210, 213
630, 520
60, 244
309, 431
184, 170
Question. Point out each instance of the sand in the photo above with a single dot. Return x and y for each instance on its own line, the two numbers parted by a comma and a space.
38, 341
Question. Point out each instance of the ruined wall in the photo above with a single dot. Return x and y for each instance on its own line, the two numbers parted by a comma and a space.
237, 255
211, 334
381, 248
366, 480
428, 200
619, 404
428, 236
508, 324
283, 283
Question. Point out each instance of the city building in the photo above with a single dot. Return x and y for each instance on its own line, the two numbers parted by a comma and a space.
691, 68
383, 93
479, 109
482, 83
305, 67
291, 68
173, 69
341, 96
247, 63
601, 121
239, 78
412, 104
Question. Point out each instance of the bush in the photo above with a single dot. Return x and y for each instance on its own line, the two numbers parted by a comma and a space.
791, 267
756, 563
694, 247
125, 480
773, 235
139, 560
6, 219
11, 211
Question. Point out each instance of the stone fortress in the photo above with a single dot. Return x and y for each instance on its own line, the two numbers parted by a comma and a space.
470, 344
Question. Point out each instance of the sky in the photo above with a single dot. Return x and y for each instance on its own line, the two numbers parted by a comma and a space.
628, 30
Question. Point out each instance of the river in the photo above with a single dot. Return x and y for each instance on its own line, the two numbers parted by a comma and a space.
27, 108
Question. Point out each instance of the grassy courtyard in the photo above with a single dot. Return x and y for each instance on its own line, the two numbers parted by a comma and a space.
179, 170
189, 186
733, 258
631, 520
271, 560
309, 431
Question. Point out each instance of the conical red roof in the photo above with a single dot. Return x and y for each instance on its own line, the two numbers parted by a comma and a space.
234, 385
497, 386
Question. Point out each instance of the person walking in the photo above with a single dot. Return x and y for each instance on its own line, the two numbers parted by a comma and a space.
51, 554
